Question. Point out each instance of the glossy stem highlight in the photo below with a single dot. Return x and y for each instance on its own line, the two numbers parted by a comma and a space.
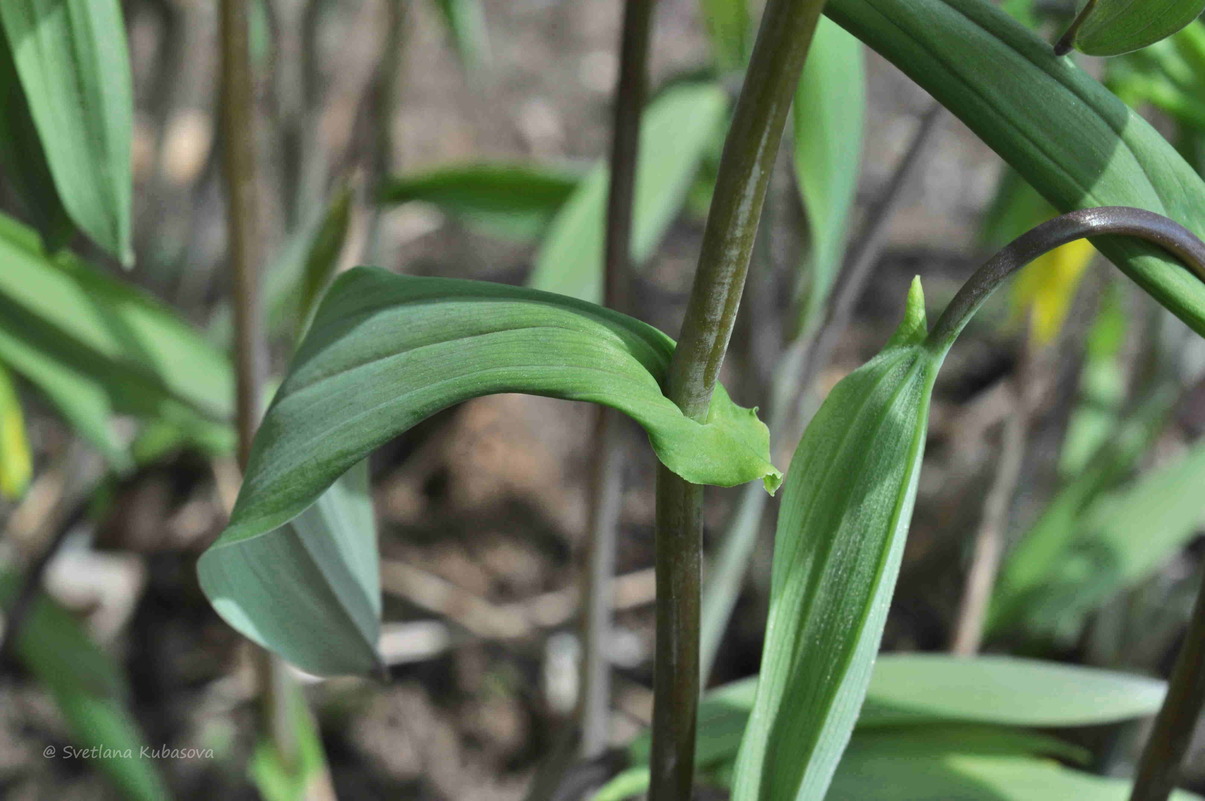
744, 175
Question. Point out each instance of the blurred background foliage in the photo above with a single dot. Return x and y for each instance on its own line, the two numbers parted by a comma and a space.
467, 138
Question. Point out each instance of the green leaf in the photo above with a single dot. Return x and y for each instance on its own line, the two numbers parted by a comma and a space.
895, 768
23, 161
727, 23
829, 115
72, 61
1114, 544
274, 778
1068, 136
918, 688
512, 201
912, 693
841, 530
322, 260
1102, 386
94, 345
89, 691
309, 590
675, 133
1113, 27
465, 20
387, 351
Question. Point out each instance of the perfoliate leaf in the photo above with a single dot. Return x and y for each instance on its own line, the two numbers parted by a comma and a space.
829, 114
1113, 27
72, 62
1067, 135
16, 465
841, 531
513, 201
89, 691
677, 129
385, 352
727, 23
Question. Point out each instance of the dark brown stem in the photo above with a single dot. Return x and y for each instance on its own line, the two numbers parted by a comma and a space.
1178, 717
242, 220
1084, 223
744, 175
250, 345
605, 489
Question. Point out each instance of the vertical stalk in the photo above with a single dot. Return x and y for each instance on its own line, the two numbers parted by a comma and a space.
250, 346
607, 470
1164, 752
744, 175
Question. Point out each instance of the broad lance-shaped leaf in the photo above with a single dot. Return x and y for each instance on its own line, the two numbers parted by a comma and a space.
1113, 27
514, 201
841, 531
677, 129
829, 115
1068, 136
72, 61
387, 351
912, 696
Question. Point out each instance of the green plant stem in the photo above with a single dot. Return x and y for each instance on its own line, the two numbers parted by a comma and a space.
605, 489
250, 346
744, 175
1178, 717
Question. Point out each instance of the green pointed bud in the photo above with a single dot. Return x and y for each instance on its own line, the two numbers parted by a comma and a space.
846, 506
